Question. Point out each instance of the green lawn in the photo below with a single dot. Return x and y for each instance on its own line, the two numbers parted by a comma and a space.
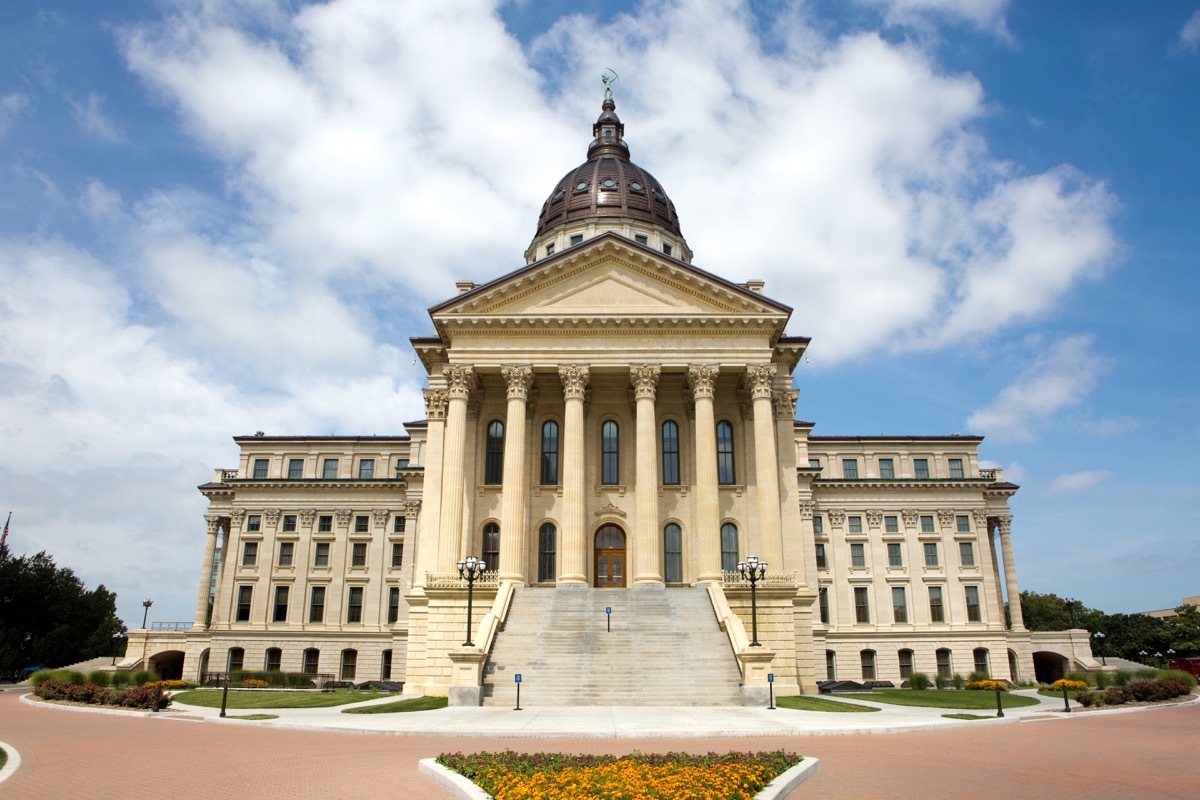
968, 716
211, 698
935, 699
1044, 692
252, 716
411, 704
3, 757
808, 703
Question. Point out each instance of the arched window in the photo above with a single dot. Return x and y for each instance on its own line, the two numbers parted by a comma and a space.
547, 552
670, 453
237, 659
550, 453
729, 547
906, 664
203, 665
726, 475
981, 661
943, 663
312, 659
385, 672
830, 665
610, 473
493, 470
673, 553
491, 546
349, 664
868, 664
274, 659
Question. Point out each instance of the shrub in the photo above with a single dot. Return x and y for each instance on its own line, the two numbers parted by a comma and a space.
1089, 699
1115, 696
958, 681
98, 677
40, 677
1177, 675
1068, 685
120, 679
986, 685
142, 697
1145, 673
255, 683
940, 682
144, 676
1146, 691
1104, 679
977, 676
167, 686
1080, 677
919, 681
1121, 677
72, 676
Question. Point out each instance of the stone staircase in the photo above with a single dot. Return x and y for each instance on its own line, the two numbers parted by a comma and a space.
665, 649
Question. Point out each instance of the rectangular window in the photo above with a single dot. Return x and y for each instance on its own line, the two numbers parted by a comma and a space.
937, 612
814, 463
274, 659
821, 557
397, 555
831, 665
321, 555
245, 595
398, 525
312, 658
550, 249
254, 523
393, 605
249, 554
324, 524
906, 664
931, 554
894, 556
927, 523
547, 552
354, 603
641, 238
943, 663
358, 556
366, 468
962, 523
295, 468
666, 249
670, 453
956, 468
361, 524
972, 593
237, 659
818, 525
981, 660
891, 525
823, 600
609, 452
281, 604
349, 665
920, 468
286, 551
289, 523
899, 604
576, 238
850, 468
726, 474
329, 469
260, 467
862, 609
401, 463
316, 607
857, 556
887, 468
549, 453
966, 553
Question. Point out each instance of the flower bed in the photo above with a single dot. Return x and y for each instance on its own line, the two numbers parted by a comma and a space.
151, 698
648, 776
1149, 691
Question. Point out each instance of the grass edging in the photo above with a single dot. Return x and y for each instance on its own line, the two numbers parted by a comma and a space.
804, 702
401, 706
10, 760
211, 698
957, 700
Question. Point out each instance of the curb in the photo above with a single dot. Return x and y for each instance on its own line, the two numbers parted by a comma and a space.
14, 761
464, 789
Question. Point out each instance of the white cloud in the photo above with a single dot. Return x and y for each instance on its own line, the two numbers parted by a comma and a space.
12, 105
986, 15
1058, 378
1189, 36
90, 116
1076, 481
100, 201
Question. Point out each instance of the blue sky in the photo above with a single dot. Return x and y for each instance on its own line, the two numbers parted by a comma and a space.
222, 216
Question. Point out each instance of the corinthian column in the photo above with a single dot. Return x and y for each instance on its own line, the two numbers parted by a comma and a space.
200, 622
573, 557
647, 567
459, 382
512, 507
426, 543
766, 466
1010, 575
702, 379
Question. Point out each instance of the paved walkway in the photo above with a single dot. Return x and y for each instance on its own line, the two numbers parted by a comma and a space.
896, 753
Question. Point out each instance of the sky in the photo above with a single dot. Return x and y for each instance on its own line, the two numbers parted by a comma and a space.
225, 216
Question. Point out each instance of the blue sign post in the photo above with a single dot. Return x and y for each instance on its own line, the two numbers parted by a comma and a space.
517, 680
608, 616
771, 689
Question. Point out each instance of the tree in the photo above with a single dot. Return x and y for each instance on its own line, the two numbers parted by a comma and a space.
1184, 630
48, 617
1049, 612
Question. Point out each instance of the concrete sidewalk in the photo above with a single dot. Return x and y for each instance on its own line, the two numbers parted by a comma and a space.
617, 722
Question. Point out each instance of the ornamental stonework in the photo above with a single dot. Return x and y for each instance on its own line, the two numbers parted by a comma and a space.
380, 516
412, 508
785, 404
307, 515
435, 404
702, 378
981, 521
837, 517
237, 515
214, 523
271, 515
518, 379
874, 517
460, 380
343, 517
807, 508
574, 379
531, 402
759, 380
644, 379
946, 517
910, 518
1005, 525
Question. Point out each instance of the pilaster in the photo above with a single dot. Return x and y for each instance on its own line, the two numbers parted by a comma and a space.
573, 556
648, 551
512, 508
702, 379
460, 380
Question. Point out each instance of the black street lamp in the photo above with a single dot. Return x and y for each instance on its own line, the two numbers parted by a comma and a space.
146, 605
1099, 636
754, 571
117, 639
1070, 603
470, 569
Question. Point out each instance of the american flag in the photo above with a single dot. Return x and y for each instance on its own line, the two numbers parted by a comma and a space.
4, 536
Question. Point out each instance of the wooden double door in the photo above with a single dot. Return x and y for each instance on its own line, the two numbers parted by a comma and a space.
610, 559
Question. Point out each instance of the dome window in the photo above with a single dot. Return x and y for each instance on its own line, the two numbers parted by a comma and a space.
637, 187
558, 196
640, 238
658, 195
666, 249
576, 238
608, 183
581, 186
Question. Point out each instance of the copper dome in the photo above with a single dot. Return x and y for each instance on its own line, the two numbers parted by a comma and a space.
608, 184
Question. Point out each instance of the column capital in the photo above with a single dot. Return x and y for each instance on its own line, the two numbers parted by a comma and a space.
435, 404
460, 380
574, 379
214, 523
307, 515
518, 377
644, 379
1005, 525
759, 379
785, 403
807, 508
981, 521
703, 378
412, 508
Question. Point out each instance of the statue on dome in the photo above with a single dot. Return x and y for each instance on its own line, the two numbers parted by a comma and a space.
608, 78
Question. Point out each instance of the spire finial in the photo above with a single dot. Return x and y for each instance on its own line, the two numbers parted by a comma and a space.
608, 78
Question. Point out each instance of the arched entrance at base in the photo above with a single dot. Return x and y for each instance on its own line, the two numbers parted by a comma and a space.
1049, 666
609, 560
168, 664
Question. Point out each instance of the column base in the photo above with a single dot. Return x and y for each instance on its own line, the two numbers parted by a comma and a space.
572, 581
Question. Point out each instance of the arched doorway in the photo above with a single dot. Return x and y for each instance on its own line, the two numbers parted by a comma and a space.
1049, 666
610, 558
168, 665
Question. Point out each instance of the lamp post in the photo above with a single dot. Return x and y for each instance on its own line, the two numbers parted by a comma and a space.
117, 639
1099, 636
1142, 654
1070, 603
470, 569
754, 571
146, 605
